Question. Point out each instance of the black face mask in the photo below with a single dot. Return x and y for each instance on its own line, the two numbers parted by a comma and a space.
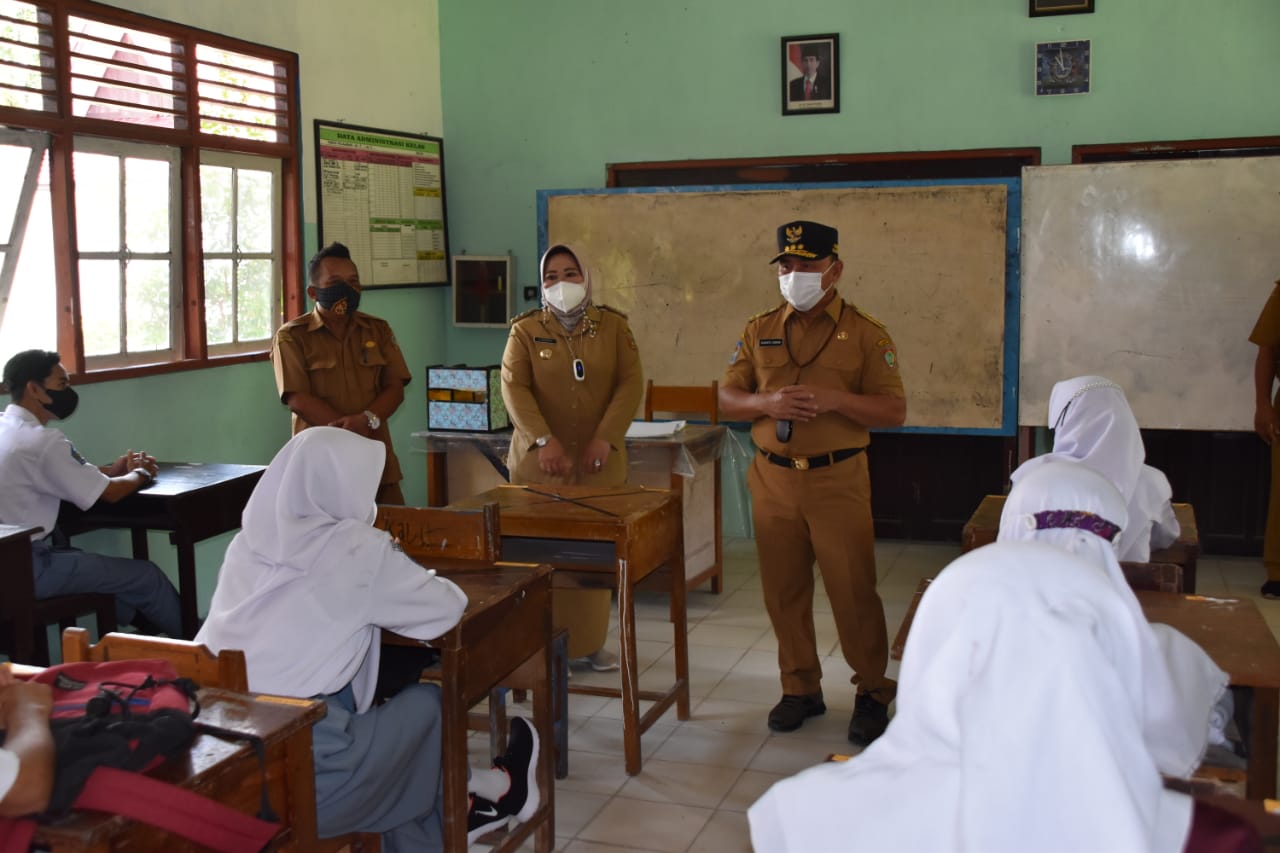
339, 298
62, 403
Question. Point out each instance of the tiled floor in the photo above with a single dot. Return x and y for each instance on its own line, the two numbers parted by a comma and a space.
701, 775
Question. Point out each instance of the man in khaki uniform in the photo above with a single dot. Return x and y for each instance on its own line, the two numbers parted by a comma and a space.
812, 375
337, 366
1266, 421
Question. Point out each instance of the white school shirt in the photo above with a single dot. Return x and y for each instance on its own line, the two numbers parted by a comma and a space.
39, 467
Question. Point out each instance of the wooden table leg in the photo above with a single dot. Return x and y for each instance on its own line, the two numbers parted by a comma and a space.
544, 722
187, 587
1261, 782
630, 666
437, 478
680, 629
301, 781
140, 549
453, 752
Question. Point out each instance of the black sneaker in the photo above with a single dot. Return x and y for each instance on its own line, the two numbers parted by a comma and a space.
870, 719
521, 763
793, 710
1271, 589
483, 817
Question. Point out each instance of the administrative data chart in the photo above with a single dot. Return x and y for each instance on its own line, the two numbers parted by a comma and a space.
382, 194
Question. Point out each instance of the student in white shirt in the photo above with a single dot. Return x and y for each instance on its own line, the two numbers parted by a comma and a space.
40, 468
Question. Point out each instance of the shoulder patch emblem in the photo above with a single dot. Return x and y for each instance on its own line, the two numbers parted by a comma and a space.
891, 358
737, 351
75, 454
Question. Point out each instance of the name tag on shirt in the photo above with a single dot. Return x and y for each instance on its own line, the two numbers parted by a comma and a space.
770, 342
544, 340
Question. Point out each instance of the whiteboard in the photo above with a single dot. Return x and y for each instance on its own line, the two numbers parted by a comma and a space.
690, 265
1151, 274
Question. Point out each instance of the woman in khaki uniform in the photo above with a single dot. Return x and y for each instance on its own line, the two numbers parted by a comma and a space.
572, 382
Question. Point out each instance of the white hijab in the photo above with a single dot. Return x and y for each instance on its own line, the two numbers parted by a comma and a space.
1093, 424
307, 582
1180, 682
1017, 729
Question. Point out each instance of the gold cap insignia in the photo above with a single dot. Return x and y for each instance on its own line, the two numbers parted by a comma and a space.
794, 233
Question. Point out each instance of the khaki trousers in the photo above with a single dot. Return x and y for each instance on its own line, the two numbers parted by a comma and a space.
585, 613
822, 513
1271, 537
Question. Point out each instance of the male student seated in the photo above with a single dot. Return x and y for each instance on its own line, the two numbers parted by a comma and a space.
39, 467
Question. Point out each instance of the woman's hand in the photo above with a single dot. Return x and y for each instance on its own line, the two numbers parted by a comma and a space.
595, 456
553, 461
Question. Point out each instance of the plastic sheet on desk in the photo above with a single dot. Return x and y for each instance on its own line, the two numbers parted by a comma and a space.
738, 452
442, 441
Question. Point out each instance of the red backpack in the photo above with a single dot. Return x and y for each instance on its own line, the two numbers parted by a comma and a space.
113, 721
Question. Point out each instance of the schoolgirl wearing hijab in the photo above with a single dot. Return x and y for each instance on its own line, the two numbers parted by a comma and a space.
1018, 729
1070, 506
304, 590
571, 381
1093, 424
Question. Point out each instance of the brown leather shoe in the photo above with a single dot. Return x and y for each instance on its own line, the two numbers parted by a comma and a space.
793, 710
870, 719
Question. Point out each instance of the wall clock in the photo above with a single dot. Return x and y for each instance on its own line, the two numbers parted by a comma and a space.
1063, 67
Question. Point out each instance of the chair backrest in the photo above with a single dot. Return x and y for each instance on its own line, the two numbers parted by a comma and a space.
683, 399
191, 660
1158, 577
443, 533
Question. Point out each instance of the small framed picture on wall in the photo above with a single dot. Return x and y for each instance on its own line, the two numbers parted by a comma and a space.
482, 290
1040, 8
810, 74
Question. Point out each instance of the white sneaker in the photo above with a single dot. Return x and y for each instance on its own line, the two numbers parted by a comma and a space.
601, 660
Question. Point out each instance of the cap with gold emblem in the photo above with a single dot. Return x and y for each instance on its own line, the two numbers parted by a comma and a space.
808, 240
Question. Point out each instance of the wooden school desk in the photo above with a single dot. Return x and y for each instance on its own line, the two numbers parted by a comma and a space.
1234, 634
192, 500
223, 770
686, 462
504, 639
605, 537
984, 524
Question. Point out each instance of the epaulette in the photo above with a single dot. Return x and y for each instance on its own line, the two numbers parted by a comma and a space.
529, 313
772, 310
613, 310
869, 317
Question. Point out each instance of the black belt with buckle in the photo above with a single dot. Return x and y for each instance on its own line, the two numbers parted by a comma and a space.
804, 463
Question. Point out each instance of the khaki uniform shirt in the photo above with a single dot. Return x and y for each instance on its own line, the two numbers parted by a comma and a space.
1266, 333
544, 398
841, 348
347, 373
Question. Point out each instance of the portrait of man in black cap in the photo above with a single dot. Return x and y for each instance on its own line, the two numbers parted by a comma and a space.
809, 74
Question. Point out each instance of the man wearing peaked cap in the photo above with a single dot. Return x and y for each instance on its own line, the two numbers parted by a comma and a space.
812, 376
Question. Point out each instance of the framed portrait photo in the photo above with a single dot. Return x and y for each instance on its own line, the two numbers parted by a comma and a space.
1040, 8
482, 288
810, 74
1063, 67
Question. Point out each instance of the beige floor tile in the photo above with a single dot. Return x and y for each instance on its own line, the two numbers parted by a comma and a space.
727, 635
575, 809
730, 715
651, 826
577, 846
691, 745
592, 773
789, 754
726, 832
604, 735
749, 787
681, 783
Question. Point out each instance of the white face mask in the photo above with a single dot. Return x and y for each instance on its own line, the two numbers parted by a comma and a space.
802, 289
565, 295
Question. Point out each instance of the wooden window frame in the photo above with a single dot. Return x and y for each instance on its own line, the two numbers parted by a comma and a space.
63, 127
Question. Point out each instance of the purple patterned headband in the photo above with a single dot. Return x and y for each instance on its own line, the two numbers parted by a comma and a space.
1057, 519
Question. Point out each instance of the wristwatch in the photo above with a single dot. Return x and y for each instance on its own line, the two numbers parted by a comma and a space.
374, 420
541, 441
